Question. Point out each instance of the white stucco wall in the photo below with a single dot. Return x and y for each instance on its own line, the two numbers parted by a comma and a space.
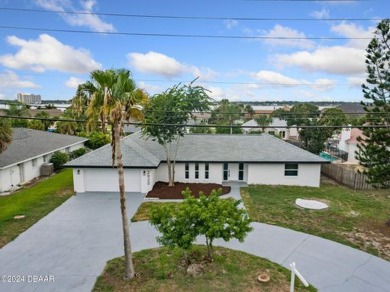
106, 180
142, 180
215, 173
351, 148
11, 177
147, 180
273, 174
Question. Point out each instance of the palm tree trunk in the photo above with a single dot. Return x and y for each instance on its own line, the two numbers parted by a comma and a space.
104, 129
129, 269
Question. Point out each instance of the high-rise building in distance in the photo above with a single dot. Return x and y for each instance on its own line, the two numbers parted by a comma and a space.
29, 98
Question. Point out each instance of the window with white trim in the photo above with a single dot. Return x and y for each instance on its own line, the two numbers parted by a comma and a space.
196, 170
187, 170
206, 170
291, 169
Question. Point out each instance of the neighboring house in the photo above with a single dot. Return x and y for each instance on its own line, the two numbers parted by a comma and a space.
22, 160
252, 159
348, 143
248, 126
352, 108
277, 127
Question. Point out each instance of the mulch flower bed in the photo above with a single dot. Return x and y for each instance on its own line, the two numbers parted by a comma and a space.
161, 190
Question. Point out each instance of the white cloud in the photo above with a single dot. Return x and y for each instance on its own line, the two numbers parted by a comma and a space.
356, 81
323, 84
149, 88
320, 14
286, 32
230, 23
334, 60
157, 63
339, 59
47, 53
10, 80
351, 30
73, 82
274, 78
163, 65
94, 22
277, 79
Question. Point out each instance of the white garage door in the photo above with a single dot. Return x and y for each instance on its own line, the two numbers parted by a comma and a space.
106, 180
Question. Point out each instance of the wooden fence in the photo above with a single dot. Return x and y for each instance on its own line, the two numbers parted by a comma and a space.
345, 176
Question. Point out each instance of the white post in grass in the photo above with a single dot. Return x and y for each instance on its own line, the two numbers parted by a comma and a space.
294, 272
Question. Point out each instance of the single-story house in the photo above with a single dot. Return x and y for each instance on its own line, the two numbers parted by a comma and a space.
201, 158
277, 126
22, 160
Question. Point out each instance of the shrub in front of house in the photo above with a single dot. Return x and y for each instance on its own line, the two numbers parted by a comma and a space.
59, 159
97, 140
77, 153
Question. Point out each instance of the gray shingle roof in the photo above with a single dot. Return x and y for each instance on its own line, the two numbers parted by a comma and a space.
138, 152
28, 143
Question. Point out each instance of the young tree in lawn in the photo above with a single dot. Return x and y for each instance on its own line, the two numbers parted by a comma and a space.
5, 134
209, 216
166, 114
374, 150
122, 100
220, 218
176, 225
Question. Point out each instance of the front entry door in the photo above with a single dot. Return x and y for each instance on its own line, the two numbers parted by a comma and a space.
233, 171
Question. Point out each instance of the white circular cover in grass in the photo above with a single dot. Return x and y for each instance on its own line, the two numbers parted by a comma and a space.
311, 204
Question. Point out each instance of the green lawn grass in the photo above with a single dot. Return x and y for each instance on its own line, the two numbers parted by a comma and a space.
164, 270
34, 202
356, 218
143, 212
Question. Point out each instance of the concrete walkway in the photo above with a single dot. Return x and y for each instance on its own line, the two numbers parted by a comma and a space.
72, 244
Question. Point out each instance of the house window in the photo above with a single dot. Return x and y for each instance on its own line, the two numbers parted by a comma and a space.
225, 171
34, 162
291, 169
283, 134
196, 170
241, 171
206, 171
187, 171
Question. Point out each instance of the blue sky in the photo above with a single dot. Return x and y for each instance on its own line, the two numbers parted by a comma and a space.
302, 68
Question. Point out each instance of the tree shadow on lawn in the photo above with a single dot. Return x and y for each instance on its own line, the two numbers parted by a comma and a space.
161, 190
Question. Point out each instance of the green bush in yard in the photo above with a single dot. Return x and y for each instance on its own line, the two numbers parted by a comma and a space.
58, 159
209, 216
77, 153
97, 140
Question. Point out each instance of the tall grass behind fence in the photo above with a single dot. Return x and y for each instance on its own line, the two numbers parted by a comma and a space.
347, 177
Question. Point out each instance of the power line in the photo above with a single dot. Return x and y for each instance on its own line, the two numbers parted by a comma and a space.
245, 83
175, 17
210, 82
140, 124
180, 35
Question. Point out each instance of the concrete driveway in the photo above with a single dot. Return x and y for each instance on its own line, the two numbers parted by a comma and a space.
71, 245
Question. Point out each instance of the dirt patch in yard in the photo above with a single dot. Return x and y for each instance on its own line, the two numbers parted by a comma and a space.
161, 190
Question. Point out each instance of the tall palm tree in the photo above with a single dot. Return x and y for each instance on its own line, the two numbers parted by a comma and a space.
5, 134
121, 100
